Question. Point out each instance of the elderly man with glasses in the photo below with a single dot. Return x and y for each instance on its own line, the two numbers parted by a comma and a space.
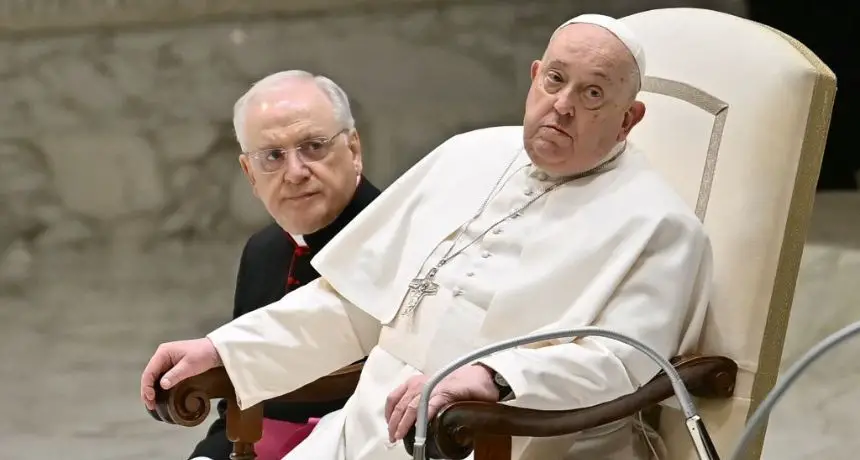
302, 155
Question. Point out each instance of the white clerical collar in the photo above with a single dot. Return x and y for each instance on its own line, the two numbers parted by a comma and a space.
299, 239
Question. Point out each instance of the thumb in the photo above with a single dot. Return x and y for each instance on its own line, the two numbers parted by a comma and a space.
181, 371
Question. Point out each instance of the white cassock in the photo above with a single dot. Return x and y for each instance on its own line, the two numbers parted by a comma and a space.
618, 250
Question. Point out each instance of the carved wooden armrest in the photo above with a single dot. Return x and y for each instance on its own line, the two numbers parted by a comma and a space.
187, 404
487, 428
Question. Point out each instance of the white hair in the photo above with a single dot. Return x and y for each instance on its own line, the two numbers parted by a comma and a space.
335, 93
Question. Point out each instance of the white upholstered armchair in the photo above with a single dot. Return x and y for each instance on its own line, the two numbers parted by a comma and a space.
737, 117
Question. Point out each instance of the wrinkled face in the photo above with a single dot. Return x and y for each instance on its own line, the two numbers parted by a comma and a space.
581, 100
301, 163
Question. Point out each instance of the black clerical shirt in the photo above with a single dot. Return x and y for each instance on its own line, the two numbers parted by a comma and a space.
272, 265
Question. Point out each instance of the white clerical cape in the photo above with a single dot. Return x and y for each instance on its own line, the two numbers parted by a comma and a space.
618, 250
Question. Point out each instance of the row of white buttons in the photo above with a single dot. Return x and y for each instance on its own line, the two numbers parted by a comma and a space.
528, 191
457, 291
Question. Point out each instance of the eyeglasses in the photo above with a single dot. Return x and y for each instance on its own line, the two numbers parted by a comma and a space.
273, 160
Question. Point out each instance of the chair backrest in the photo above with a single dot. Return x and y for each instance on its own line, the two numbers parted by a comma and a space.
737, 118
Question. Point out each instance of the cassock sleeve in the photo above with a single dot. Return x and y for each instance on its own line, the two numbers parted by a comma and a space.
309, 333
661, 302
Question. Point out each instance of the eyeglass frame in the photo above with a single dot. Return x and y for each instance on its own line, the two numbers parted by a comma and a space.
325, 144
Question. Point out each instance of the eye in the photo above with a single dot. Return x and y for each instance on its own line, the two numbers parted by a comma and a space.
553, 80
275, 155
554, 77
592, 97
593, 93
312, 146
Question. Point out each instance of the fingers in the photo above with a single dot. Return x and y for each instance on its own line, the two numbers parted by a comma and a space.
393, 399
437, 402
180, 359
181, 371
408, 413
157, 364
398, 413
401, 406
408, 418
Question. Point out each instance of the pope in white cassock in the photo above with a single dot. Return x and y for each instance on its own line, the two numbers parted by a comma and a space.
499, 232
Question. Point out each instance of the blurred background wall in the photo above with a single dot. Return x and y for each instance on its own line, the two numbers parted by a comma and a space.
115, 116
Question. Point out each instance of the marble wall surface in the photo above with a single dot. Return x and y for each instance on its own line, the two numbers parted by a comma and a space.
115, 115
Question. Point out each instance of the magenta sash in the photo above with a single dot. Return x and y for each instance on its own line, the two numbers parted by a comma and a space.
280, 437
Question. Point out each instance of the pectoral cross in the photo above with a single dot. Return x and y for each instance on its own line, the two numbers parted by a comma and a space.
418, 289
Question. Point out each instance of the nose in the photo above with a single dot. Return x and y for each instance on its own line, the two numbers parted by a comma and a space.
295, 170
563, 103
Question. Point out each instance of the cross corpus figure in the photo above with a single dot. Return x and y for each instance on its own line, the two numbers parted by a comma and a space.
420, 288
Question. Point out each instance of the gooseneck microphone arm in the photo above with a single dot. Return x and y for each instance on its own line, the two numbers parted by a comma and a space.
702, 442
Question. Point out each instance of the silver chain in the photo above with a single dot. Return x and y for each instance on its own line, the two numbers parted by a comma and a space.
462, 230
422, 287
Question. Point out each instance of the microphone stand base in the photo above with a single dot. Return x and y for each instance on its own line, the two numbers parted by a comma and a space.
704, 447
418, 452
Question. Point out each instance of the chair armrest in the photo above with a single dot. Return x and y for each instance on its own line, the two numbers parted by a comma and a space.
187, 403
452, 433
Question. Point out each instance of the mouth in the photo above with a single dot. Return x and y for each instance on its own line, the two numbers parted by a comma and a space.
557, 129
302, 196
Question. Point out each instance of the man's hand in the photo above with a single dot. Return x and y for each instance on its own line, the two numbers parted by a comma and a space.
180, 360
469, 383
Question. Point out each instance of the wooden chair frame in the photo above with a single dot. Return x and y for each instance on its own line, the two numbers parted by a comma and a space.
459, 428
